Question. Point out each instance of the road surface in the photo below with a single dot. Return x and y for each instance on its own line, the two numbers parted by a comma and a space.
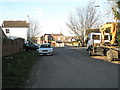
73, 68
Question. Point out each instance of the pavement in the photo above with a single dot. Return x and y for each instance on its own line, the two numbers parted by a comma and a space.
102, 57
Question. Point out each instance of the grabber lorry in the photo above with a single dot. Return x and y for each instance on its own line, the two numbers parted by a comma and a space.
106, 42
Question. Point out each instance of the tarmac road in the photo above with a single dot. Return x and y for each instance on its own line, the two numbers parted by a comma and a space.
73, 68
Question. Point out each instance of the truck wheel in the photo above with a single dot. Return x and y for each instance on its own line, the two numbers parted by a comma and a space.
90, 52
109, 55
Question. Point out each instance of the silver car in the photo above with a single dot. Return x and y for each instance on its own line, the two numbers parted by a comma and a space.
45, 49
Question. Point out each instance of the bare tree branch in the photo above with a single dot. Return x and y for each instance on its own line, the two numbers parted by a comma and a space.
35, 30
83, 20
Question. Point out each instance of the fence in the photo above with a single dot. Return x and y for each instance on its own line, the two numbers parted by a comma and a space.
11, 46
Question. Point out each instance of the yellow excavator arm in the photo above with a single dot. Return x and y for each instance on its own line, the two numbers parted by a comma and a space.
112, 29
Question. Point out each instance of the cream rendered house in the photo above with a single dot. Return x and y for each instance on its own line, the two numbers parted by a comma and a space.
15, 29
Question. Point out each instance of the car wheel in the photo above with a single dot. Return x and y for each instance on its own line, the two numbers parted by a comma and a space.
51, 54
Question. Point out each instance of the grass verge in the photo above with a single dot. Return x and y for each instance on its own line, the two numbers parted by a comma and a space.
16, 70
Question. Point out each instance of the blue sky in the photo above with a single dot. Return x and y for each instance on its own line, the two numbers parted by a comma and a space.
51, 14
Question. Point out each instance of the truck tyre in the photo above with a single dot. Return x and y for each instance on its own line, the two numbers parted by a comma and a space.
90, 52
109, 55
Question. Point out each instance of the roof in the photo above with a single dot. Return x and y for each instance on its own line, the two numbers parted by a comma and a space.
95, 30
57, 35
14, 24
46, 34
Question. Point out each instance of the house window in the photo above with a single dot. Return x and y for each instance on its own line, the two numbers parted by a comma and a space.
58, 38
7, 31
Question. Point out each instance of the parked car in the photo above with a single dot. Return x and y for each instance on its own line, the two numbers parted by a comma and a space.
30, 47
45, 49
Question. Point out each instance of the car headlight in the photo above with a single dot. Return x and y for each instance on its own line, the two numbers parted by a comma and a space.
51, 49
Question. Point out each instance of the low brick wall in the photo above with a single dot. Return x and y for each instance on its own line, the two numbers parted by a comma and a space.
11, 46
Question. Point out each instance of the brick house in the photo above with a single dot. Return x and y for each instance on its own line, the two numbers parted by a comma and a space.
57, 40
46, 38
58, 37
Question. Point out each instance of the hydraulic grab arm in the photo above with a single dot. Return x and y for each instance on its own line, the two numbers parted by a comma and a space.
112, 29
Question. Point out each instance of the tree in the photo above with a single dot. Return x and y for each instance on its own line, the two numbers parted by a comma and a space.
83, 20
116, 13
34, 30
116, 9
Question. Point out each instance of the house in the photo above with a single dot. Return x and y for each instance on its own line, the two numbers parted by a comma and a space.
15, 29
36, 40
59, 39
2, 35
9, 46
46, 38
71, 40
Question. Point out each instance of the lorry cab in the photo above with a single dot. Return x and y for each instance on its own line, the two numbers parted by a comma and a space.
94, 39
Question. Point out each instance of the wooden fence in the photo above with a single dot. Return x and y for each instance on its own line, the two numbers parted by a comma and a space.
11, 46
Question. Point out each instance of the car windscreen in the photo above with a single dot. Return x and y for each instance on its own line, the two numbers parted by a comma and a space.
45, 46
